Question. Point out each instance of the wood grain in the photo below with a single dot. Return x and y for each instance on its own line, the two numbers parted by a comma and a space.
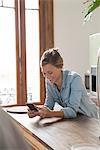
58, 134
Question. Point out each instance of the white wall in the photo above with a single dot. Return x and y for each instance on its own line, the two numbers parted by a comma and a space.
71, 36
94, 41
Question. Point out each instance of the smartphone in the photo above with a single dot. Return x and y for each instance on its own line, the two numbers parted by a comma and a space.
32, 106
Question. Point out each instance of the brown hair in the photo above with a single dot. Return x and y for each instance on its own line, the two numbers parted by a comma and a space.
53, 57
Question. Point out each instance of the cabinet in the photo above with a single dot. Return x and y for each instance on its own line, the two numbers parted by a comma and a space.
33, 141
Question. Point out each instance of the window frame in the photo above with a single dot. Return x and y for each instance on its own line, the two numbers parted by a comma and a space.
46, 36
20, 52
46, 39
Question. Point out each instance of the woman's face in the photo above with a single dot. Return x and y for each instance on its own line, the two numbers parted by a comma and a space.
52, 73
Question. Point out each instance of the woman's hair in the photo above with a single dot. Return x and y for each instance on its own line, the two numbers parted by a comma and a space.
53, 57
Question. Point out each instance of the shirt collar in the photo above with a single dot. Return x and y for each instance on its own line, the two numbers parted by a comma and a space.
64, 79
64, 76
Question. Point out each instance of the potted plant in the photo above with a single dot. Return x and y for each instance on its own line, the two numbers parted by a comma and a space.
92, 5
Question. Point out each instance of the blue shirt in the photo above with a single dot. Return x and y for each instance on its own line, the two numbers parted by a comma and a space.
73, 96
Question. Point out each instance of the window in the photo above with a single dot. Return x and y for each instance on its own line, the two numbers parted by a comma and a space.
32, 50
29, 33
7, 53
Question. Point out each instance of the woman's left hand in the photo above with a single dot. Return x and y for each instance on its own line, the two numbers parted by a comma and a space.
45, 112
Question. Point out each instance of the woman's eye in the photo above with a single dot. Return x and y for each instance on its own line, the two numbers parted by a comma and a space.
46, 74
43, 74
50, 73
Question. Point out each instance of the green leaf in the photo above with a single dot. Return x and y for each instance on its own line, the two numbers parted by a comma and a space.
95, 4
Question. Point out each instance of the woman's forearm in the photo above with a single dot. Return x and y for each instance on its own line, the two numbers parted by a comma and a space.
57, 114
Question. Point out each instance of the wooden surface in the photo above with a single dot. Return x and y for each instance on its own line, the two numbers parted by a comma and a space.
58, 134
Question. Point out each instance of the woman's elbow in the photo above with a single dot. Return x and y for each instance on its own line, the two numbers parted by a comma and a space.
71, 114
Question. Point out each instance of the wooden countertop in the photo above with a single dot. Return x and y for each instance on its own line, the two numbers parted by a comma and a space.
60, 134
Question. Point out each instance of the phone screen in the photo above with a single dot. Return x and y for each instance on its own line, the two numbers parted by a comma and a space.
32, 106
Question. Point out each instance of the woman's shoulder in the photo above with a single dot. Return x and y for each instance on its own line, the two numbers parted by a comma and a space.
71, 74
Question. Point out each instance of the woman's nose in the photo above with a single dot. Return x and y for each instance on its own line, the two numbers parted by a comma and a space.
48, 77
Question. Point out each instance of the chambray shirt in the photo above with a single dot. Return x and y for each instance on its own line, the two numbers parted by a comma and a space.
73, 96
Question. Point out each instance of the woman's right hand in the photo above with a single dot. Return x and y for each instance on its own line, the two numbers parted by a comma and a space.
32, 114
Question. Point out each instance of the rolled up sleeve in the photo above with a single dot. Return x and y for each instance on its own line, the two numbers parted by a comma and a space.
74, 99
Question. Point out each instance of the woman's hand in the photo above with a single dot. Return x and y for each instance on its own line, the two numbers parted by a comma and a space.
42, 112
45, 112
32, 114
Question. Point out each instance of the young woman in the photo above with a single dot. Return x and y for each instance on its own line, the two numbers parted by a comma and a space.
64, 87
